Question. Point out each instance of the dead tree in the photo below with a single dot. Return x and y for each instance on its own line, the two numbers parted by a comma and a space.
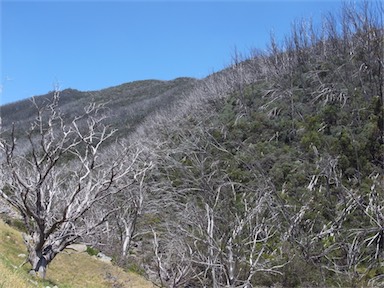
57, 174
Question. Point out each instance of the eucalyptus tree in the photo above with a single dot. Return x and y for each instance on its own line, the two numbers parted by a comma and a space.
55, 171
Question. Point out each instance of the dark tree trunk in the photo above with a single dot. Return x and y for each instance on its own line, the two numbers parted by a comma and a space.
40, 266
39, 257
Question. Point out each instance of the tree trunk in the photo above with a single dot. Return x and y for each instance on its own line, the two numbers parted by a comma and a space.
39, 266
39, 258
129, 227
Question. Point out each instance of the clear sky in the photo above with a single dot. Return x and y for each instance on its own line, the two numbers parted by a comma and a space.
89, 45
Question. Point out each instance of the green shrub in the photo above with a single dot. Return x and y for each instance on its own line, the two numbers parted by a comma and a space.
92, 251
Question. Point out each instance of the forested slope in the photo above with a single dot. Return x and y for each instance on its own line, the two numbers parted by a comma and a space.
269, 172
273, 170
128, 103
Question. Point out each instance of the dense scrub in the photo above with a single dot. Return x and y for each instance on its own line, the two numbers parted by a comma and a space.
276, 176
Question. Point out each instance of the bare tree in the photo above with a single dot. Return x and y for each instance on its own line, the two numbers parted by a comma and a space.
220, 228
129, 205
57, 174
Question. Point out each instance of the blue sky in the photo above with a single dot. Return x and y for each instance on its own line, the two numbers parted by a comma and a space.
89, 45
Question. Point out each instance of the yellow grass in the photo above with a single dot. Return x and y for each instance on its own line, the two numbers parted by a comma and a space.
12, 279
11, 245
68, 269
88, 271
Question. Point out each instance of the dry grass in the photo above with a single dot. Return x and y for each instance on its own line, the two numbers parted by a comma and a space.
87, 271
11, 245
66, 270
12, 279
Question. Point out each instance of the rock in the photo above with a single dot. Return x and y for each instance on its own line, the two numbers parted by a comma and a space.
104, 258
33, 282
22, 256
78, 247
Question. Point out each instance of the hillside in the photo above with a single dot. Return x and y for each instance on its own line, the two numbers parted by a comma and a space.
267, 173
272, 170
128, 103
71, 269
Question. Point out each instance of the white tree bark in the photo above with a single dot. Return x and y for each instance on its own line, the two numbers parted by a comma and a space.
56, 177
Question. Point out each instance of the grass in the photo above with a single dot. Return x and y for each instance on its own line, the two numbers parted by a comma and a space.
11, 245
12, 279
67, 270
